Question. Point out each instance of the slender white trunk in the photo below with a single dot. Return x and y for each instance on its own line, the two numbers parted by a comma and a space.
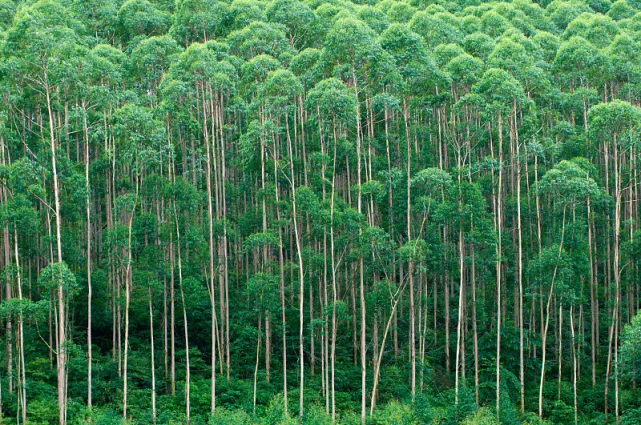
396, 298
23, 377
61, 328
301, 274
153, 359
547, 318
574, 361
460, 317
128, 288
210, 216
89, 285
499, 208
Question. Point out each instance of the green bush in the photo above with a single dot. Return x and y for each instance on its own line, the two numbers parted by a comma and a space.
482, 416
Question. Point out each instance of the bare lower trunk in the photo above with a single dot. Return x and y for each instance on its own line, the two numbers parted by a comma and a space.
281, 269
574, 368
23, 377
411, 264
474, 328
460, 317
258, 342
499, 268
334, 288
547, 319
377, 371
89, 286
520, 268
128, 289
153, 359
61, 353
186, 328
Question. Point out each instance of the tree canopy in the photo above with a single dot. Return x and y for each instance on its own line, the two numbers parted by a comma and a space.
320, 211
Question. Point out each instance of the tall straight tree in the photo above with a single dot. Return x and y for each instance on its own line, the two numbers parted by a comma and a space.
40, 58
501, 94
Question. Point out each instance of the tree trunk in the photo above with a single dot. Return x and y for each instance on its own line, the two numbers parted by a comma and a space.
547, 319
460, 314
396, 298
301, 274
520, 262
61, 353
128, 289
499, 210
186, 328
574, 369
363, 346
212, 288
281, 267
153, 359
334, 287
23, 377
410, 270
89, 286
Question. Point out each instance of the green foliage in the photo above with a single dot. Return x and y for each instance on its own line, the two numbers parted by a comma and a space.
394, 413
141, 18
224, 416
481, 417
630, 351
190, 156
58, 275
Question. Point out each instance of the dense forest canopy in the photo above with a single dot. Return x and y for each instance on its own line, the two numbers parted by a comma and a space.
318, 212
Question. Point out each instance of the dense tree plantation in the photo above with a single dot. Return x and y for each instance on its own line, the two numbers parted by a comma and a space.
319, 212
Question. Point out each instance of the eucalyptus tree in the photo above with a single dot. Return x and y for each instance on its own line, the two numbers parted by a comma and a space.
148, 62
429, 186
99, 18
522, 60
569, 185
502, 95
379, 248
629, 350
349, 45
140, 18
259, 38
244, 12
96, 73
200, 20
281, 91
580, 66
256, 142
418, 73
478, 44
494, 24
598, 29
301, 23
624, 69
184, 199
19, 220
562, 13
477, 231
617, 124
436, 28
5, 233
204, 80
262, 287
38, 47
332, 105
374, 17
139, 138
